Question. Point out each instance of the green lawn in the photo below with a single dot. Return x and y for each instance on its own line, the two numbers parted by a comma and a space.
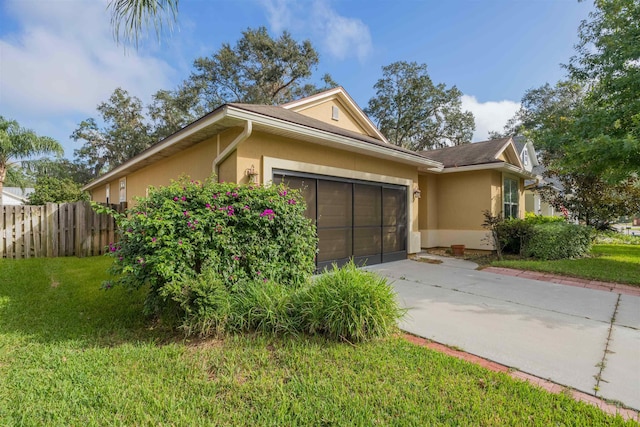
609, 263
71, 354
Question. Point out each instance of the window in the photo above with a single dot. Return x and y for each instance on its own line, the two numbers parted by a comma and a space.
123, 190
525, 157
510, 197
108, 192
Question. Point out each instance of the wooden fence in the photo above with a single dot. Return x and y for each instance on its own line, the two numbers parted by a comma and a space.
54, 230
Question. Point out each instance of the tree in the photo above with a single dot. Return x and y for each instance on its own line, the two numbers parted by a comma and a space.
125, 134
607, 64
17, 147
592, 200
129, 18
413, 112
258, 69
50, 189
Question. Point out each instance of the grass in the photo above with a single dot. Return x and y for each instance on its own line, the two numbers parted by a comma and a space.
608, 263
71, 354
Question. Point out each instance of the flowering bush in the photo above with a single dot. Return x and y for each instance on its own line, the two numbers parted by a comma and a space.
241, 233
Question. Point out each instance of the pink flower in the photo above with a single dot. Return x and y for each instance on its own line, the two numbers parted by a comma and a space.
291, 201
269, 213
175, 199
208, 206
282, 193
153, 239
184, 198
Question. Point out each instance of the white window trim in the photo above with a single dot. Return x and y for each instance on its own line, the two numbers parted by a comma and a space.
517, 180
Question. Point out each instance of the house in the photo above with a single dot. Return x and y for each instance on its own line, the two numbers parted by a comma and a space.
15, 196
532, 201
370, 200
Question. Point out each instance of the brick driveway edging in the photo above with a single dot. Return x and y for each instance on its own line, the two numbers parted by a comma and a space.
618, 288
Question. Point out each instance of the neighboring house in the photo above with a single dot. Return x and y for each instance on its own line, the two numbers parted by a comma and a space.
370, 200
533, 201
15, 196
529, 158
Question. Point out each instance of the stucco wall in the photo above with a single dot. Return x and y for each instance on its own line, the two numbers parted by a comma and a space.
461, 199
258, 145
195, 161
323, 112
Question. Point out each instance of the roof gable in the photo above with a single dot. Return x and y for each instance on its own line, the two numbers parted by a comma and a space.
477, 153
337, 108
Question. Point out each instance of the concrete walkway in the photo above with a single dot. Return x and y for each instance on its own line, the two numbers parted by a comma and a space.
582, 338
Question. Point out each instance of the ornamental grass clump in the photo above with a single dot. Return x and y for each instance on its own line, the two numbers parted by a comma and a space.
241, 233
349, 304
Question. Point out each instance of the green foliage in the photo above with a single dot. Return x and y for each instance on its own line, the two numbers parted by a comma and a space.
124, 135
413, 112
258, 69
203, 303
130, 18
533, 218
349, 304
17, 147
617, 263
612, 237
72, 356
243, 233
558, 240
266, 307
514, 234
54, 190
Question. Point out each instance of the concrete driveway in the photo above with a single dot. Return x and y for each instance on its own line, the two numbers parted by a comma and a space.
585, 339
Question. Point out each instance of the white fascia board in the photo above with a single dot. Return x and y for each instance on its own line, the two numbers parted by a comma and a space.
155, 149
338, 140
501, 166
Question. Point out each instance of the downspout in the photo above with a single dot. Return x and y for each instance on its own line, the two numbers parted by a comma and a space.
246, 133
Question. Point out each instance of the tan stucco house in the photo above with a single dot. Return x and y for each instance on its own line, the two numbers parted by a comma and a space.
370, 200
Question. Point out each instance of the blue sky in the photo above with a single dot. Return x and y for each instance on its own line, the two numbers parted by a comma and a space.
58, 59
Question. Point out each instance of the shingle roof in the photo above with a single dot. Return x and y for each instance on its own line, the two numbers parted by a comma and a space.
278, 112
17, 191
478, 153
519, 142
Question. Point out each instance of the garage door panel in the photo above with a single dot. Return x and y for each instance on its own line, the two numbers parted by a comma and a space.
307, 187
335, 203
367, 205
334, 244
355, 220
367, 241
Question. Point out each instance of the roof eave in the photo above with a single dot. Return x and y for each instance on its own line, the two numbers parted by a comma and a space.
334, 140
499, 166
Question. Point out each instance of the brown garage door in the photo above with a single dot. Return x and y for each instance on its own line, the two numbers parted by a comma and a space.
362, 220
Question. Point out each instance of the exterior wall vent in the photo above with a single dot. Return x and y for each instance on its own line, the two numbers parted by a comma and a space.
335, 113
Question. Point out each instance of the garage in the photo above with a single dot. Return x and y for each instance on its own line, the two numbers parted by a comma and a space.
363, 220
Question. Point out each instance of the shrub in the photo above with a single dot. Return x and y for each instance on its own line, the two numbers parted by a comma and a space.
558, 240
514, 234
265, 307
242, 233
532, 218
348, 304
204, 303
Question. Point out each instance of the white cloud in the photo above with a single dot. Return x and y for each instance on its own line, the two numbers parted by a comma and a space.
64, 60
279, 14
342, 36
490, 115
339, 36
